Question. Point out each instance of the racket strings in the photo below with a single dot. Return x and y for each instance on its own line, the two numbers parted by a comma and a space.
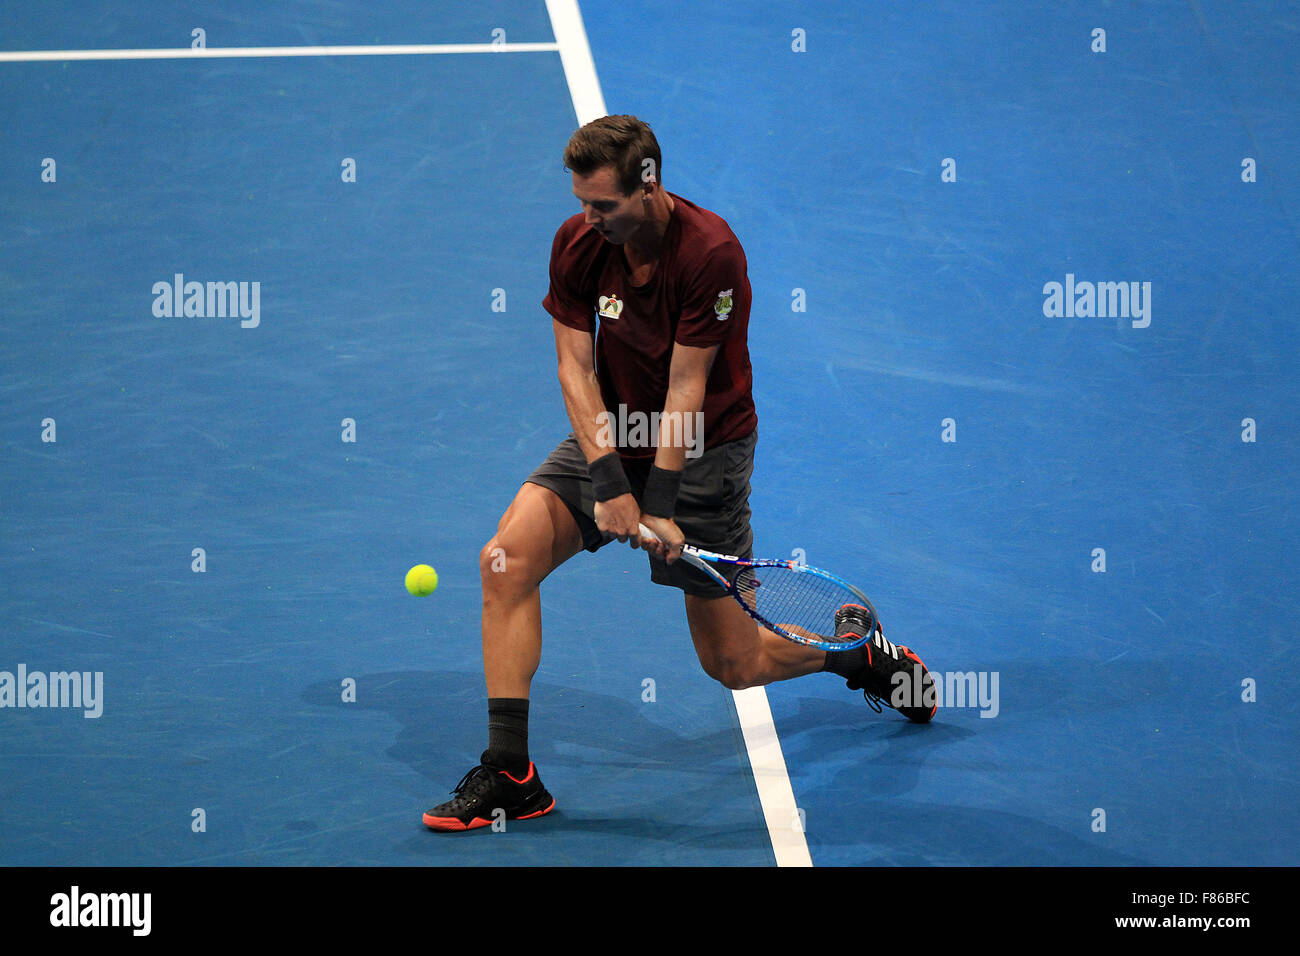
798, 601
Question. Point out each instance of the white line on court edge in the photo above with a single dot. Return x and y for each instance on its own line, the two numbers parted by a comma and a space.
770, 776
182, 53
765, 757
575, 57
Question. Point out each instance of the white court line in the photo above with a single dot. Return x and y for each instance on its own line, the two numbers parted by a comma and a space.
765, 756
575, 57
203, 53
784, 826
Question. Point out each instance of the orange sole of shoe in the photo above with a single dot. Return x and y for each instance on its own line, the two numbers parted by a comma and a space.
456, 825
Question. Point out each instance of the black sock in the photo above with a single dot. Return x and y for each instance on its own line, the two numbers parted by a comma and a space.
508, 734
846, 663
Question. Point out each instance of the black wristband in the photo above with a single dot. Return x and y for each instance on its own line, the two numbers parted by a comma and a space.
660, 497
607, 477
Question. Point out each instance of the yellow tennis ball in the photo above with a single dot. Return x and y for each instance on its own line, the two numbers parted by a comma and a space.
421, 580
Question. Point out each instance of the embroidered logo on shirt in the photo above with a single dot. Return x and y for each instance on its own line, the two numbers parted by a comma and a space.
723, 306
611, 307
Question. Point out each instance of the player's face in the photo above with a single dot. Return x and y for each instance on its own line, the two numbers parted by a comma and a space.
607, 210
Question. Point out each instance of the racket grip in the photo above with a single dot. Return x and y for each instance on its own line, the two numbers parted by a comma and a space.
646, 532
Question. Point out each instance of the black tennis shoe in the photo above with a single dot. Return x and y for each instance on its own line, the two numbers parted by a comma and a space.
912, 694
487, 794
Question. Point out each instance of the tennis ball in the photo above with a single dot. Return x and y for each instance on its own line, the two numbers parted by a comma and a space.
421, 580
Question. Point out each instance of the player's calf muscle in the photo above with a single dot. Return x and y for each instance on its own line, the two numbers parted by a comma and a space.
761, 666
737, 653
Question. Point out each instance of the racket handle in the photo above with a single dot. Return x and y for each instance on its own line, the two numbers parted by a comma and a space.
646, 532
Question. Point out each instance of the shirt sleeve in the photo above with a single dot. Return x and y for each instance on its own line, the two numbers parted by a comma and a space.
564, 301
715, 299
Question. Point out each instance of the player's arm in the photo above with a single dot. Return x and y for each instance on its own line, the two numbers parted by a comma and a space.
617, 511
574, 350
688, 377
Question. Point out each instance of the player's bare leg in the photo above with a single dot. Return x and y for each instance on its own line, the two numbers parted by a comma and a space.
735, 651
535, 536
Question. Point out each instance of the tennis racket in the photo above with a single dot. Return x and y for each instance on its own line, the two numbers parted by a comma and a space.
793, 600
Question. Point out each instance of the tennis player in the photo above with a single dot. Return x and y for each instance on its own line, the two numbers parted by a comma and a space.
649, 300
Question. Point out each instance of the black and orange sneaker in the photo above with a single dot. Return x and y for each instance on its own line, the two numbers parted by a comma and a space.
913, 694
484, 791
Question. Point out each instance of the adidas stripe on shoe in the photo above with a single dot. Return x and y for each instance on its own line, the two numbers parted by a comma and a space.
892, 674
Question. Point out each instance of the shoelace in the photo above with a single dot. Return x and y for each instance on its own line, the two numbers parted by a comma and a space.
468, 779
873, 701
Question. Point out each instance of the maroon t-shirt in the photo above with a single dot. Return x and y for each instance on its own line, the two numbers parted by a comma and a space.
698, 295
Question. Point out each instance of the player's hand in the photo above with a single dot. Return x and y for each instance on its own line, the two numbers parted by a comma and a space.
671, 539
618, 517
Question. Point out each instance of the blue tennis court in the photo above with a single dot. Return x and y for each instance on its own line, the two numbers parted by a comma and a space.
1075, 501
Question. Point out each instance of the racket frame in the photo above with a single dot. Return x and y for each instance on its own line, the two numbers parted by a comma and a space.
699, 558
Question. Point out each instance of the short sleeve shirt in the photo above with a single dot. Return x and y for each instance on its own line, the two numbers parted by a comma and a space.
697, 295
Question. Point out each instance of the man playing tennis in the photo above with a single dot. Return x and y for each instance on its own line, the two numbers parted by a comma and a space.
650, 303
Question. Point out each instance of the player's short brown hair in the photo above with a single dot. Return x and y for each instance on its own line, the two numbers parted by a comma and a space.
623, 142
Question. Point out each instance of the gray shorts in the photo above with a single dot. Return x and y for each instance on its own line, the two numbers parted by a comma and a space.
712, 505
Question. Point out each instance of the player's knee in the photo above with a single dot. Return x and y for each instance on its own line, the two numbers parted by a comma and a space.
504, 569
730, 673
